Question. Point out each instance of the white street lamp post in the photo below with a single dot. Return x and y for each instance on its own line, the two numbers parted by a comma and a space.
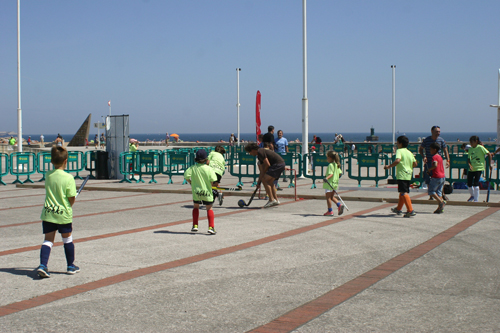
238, 101
19, 111
498, 110
305, 102
393, 104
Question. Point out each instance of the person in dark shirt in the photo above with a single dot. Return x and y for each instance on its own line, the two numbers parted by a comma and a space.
271, 166
316, 140
269, 137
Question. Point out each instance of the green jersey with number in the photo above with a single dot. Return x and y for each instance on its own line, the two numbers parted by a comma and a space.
59, 186
201, 176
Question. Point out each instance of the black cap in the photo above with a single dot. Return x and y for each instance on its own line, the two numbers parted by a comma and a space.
201, 155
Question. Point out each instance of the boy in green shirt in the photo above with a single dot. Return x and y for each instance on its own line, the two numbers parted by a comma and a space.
218, 163
201, 177
404, 163
57, 213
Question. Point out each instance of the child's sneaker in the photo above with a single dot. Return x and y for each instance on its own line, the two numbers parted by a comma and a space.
396, 211
194, 228
275, 203
43, 271
72, 269
212, 231
470, 199
328, 214
341, 210
412, 213
221, 198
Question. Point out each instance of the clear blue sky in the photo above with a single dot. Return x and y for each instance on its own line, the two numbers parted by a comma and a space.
171, 65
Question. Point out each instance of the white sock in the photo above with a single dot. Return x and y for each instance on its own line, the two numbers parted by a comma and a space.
476, 193
471, 191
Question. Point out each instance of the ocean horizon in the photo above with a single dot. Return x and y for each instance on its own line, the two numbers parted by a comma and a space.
292, 136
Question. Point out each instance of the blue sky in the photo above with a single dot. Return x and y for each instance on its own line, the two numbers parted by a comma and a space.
171, 65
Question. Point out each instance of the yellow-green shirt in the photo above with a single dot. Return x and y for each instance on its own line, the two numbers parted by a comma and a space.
476, 157
333, 169
404, 169
217, 162
132, 148
59, 186
202, 176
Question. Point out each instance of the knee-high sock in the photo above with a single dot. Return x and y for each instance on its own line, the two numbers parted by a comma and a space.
45, 252
476, 193
408, 204
211, 218
69, 251
196, 214
471, 191
401, 202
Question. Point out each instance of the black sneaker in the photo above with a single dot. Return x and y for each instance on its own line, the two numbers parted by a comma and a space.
396, 211
412, 213
43, 271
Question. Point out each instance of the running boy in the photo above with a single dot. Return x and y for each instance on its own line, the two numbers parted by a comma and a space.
436, 183
57, 213
218, 163
333, 173
404, 163
477, 163
201, 177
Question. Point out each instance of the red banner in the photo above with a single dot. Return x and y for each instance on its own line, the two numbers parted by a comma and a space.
257, 117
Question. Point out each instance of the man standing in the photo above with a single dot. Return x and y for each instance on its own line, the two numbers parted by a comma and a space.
425, 151
41, 139
269, 137
271, 166
282, 147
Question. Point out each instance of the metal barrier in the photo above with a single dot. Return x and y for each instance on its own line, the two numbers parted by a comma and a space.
147, 163
367, 162
76, 163
22, 164
458, 163
4, 166
289, 159
317, 161
126, 162
44, 163
90, 164
242, 169
175, 163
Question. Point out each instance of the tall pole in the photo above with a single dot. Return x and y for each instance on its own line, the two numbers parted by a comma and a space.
498, 110
238, 101
109, 104
393, 104
305, 103
19, 111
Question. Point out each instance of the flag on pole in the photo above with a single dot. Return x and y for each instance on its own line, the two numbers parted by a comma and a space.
109, 103
257, 117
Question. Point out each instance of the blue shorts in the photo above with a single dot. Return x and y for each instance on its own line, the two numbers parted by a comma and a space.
49, 227
436, 186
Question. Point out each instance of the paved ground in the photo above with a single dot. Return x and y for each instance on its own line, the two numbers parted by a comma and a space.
282, 269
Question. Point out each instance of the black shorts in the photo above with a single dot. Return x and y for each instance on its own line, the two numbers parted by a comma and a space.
206, 203
49, 227
219, 177
275, 170
403, 186
473, 178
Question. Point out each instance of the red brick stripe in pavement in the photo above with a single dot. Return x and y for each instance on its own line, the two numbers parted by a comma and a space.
57, 295
84, 200
307, 312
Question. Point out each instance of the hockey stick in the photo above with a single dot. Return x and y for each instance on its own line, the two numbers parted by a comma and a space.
82, 186
242, 202
337, 193
239, 188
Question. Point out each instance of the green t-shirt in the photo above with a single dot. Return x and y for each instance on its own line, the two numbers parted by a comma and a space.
132, 148
202, 176
333, 169
404, 169
217, 162
12, 141
59, 186
476, 157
